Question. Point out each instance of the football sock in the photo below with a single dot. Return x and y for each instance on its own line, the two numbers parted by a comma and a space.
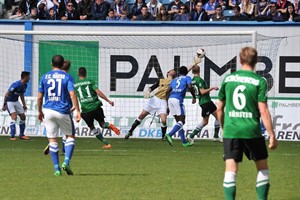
106, 125
163, 130
181, 135
217, 129
262, 184
197, 130
54, 155
22, 127
69, 148
63, 145
12, 128
229, 185
135, 124
176, 128
99, 136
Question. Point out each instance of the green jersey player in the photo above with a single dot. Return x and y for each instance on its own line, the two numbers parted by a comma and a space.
88, 92
243, 93
207, 106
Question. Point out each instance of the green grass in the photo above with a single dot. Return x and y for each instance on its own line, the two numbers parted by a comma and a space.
139, 169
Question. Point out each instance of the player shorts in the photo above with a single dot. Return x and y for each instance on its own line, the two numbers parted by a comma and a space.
156, 105
208, 108
14, 107
54, 121
89, 117
176, 107
255, 149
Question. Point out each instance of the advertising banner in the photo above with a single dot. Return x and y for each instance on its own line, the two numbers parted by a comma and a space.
285, 114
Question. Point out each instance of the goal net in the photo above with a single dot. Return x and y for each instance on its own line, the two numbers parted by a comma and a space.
125, 64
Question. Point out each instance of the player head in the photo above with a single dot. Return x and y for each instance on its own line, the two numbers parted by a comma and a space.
82, 72
25, 76
196, 69
57, 61
171, 73
248, 56
183, 70
67, 65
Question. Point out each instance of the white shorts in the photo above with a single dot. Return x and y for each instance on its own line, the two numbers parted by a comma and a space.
157, 105
54, 121
14, 107
175, 107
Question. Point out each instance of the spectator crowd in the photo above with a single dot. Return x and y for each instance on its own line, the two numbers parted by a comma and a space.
153, 10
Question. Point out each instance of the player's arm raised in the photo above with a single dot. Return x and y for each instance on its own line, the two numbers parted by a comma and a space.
266, 118
103, 96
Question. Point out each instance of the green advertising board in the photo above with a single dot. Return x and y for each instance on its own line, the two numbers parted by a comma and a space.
80, 53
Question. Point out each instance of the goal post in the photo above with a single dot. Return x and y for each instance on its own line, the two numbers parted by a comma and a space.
125, 64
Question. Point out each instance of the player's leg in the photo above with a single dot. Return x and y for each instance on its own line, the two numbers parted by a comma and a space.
233, 154
99, 116
257, 151
137, 122
178, 111
52, 128
13, 114
22, 126
67, 127
262, 179
13, 126
181, 118
89, 120
198, 128
162, 112
229, 182
217, 128
163, 118
64, 138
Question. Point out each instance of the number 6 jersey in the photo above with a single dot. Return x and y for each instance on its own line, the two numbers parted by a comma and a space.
242, 90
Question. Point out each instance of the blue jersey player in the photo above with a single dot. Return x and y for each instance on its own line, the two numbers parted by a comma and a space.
66, 68
12, 105
57, 87
175, 95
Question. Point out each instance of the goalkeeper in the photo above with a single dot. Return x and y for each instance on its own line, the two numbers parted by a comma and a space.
157, 105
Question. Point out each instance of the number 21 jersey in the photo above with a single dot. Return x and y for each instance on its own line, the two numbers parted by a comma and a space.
56, 86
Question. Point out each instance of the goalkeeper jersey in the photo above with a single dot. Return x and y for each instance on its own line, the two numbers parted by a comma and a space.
242, 90
87, 96
198, 83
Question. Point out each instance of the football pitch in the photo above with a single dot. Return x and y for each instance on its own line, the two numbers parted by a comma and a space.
139, 169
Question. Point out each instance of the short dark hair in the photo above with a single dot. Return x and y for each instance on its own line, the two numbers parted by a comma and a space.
58, 61
67, 65
183, 70
24, 74
219, 6
236, 7
82, 72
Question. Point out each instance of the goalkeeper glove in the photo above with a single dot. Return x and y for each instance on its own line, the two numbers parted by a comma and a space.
197, 60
